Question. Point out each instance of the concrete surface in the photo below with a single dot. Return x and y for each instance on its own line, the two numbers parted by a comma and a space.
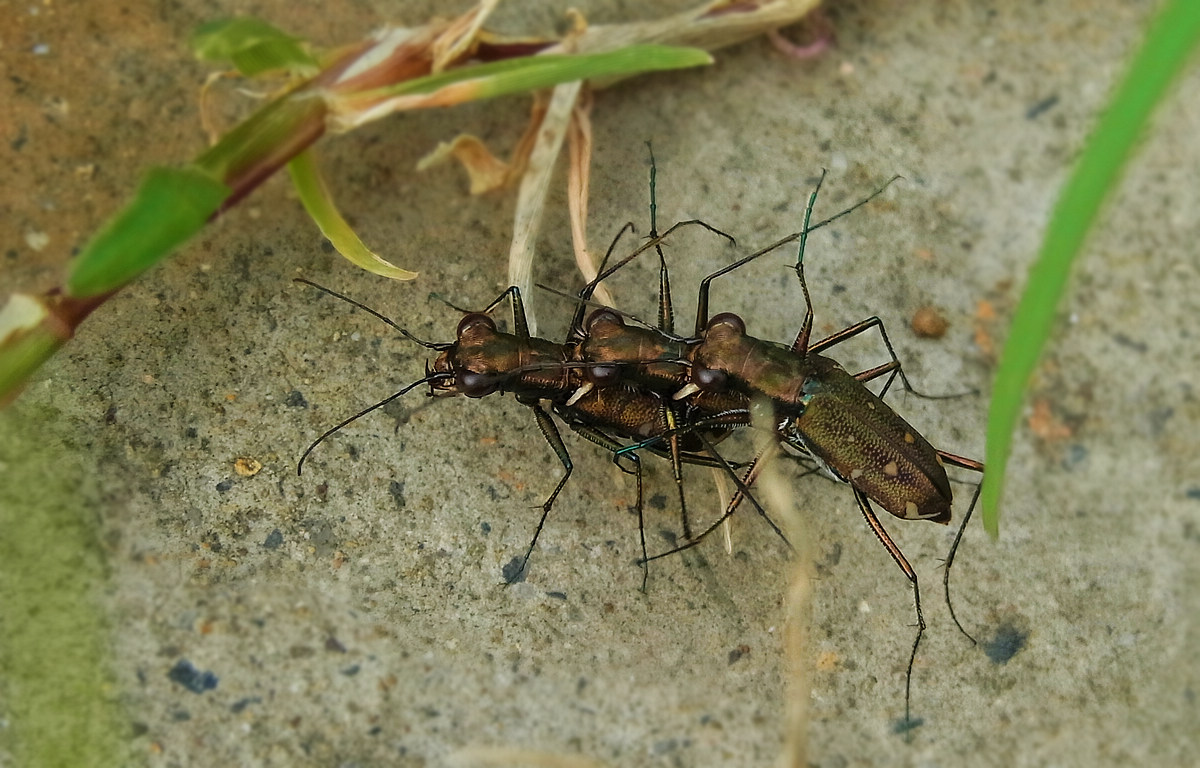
354, 617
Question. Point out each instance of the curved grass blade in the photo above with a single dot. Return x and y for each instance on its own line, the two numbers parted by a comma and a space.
1172, 37
317, 201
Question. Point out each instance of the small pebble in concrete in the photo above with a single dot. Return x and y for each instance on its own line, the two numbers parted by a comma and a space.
191, 678
274, 540
928, 323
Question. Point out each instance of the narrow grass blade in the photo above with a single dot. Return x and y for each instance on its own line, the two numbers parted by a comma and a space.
1171, 38
511, 76
317, 201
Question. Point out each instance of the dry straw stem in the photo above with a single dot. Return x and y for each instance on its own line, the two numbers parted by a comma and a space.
535, 184
579, 144
779, 498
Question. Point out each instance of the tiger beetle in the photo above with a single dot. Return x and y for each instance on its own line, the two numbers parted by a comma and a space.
830, 416
483, 360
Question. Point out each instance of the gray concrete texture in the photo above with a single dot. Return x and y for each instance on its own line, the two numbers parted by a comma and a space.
354, 616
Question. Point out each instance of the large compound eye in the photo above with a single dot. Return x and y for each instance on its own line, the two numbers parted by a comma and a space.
474, 320
605, 316
474, 384
729, 319
602, 375
711, 379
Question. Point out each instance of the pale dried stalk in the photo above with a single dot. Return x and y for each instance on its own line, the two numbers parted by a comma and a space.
721, 480
531, 197
579, 181
798, 606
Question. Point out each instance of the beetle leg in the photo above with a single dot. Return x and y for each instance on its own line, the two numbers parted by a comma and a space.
864, 504
550, 432
974, 466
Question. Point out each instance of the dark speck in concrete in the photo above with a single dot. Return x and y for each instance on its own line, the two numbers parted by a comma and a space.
658, 501
1076, 454
513, 572
334, 645
396, 489
191, 678
665, 746
295, 399
274, 540
181, 715
1193, 493
1007, 643
351, 670
557, 595
486, 528
1040, 108
739, 652
241, 704
1134, 344
224, 485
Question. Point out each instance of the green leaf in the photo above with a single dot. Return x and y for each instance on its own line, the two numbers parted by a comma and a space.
530, 73
170, 206
253, 46
1172, 37
317, 201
